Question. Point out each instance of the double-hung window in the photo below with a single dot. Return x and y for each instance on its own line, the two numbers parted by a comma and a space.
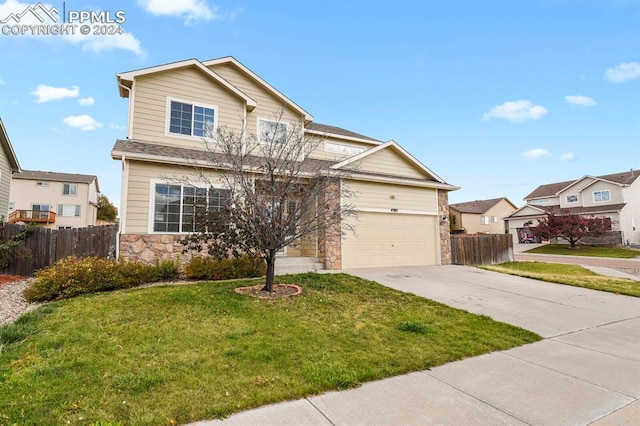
190, 119
272, 131
484, 220
180, 208
70, 189
601, 196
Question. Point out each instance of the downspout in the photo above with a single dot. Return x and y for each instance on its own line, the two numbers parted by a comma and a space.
130, 111
124, 184
438, 231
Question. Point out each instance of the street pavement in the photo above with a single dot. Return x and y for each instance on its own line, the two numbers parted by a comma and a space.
585, 372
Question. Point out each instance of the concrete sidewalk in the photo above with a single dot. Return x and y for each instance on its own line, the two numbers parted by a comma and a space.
586, 371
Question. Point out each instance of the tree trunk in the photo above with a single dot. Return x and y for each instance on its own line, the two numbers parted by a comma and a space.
271, 270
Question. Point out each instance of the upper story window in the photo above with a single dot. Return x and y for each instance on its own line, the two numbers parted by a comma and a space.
494, 219
484, 220
540, 201
340, 148
272, 131
70, 189
190, 119
572, 198
601, 196
40, 183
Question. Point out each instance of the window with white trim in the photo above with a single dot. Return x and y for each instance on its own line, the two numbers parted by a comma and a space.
494, 219
41, 183
272, 131
40, 207
12, 205
70, 189
190, 119
177, 208
340, 148
572, 198
484, 220
69, 210
601, 196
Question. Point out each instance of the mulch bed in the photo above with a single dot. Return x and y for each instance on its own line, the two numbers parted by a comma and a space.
8, 279
279, 291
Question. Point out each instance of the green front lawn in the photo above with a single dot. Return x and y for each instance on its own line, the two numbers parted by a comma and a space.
569, 274
175, 354
582, 250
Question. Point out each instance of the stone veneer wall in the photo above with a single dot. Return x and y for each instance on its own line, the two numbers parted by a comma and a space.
445, 235
147, 248
330, 240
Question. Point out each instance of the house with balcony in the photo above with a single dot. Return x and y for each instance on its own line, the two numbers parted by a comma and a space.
402, 204
614, 197
54, 200
8, 166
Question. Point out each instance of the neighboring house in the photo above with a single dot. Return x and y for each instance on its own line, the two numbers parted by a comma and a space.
403, 207
8, 166
480, 216
55, 200
614, 197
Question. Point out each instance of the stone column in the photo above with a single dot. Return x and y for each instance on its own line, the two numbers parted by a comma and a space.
445, 235
330, 236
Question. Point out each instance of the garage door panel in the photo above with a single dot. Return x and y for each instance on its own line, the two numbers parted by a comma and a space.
390, 239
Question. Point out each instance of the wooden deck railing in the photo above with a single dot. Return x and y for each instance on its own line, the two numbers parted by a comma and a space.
30, 216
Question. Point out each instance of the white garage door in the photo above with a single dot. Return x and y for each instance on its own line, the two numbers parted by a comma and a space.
390, 239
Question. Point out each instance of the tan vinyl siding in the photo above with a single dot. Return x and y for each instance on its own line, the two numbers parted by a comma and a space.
5, 183
615, 194
139, 191
321, 153
185, 84
371, 195
268, 104
388, 161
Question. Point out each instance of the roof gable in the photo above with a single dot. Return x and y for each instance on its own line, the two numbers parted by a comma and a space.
398, 152
128, 77
8, 149
552, 189
234, 62
479, 206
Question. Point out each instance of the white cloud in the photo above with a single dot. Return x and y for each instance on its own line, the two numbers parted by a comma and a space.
579, 100
82, 122
623, 72
516, 111
536, 153
117, 126
90, 42
567, 156
2, 82
46, 93
190, 10
86, 101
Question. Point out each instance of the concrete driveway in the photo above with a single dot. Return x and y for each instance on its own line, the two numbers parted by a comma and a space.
586, 371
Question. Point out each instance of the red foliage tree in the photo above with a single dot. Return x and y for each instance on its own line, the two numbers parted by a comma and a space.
568, 226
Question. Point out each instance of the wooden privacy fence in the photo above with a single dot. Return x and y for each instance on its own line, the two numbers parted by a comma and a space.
481, 249
43, 246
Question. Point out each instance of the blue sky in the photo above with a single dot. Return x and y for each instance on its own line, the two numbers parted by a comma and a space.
497, 97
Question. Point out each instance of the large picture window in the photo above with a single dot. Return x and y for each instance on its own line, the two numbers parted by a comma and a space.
190, 119
177, 208
69, 210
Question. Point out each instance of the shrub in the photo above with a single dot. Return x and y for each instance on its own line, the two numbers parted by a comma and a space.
71, 277
413, 327
207, 268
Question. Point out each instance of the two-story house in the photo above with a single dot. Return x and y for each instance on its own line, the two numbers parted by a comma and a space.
55, 200
402, 204
480, 216
8, 166
614, 197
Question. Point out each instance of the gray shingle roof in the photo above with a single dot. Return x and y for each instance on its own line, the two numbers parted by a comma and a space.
325, 128
54, 176
548, 190
477, 206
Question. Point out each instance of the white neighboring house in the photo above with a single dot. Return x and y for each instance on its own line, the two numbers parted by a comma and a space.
54, 200
614, 197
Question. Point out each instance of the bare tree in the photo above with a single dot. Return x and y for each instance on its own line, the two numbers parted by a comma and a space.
275, 193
